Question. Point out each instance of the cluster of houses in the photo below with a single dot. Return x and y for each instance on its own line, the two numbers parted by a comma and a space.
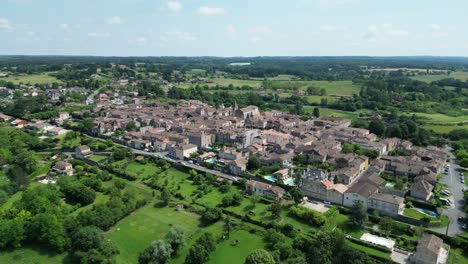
39, 125
192, 129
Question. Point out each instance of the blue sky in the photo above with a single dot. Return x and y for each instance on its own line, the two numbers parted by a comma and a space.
234, 28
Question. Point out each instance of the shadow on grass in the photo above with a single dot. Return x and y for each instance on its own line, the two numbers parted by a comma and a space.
19, 256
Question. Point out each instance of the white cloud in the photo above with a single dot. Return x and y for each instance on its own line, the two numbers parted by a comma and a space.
333, 3
174, 6
5, 25
65, 27
99, 35
180, 35
328, 28
211, 11
257, 33
231, 32
438, 32
141, 40
260, 30
382, 32
435, 27
115, 20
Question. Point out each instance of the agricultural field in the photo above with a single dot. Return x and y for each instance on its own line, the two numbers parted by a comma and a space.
441, 118
436, 77
235, 82
136, 169
31, 79
444, 129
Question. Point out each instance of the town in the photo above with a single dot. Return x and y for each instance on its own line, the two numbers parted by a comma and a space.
276, 154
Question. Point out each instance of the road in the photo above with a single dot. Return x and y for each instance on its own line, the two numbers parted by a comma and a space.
163, 155
452, 180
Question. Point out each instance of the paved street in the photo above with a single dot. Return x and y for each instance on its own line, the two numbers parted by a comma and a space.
452, 180
183, 163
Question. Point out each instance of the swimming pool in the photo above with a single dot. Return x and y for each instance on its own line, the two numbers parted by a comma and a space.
288, 181
390, 184
428, 212
270, 178
211, 161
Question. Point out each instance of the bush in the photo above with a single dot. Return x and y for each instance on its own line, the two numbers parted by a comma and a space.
311, 216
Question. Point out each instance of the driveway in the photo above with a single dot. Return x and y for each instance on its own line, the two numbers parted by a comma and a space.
452, 180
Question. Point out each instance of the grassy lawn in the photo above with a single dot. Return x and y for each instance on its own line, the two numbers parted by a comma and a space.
444, 129
228, 253
32, 255
441, 118
31, 79
340, 88
413, 213
332, 112
368, 250
137, 169
134, 233
457, 256
97, 158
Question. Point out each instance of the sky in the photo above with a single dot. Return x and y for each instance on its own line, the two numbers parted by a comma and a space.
234, 28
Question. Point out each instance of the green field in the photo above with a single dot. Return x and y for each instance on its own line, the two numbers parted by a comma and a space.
136, 232
32, 255
441, 118
332, 112
444, 129
414, 213
138, 170
31, 79
228, 252
435, 77
235, 82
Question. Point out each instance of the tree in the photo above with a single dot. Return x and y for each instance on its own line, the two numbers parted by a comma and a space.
48, 229
197, 255
358, 214
255, 198
316, 112
253, 163
166, 196
228, 223
276, 208
297, 194
377, 127
211, 215
131, 126
27, 161
159, 252
386, 225
259, 256
176, 238
87, 125
87, 238
120, 153
208, 242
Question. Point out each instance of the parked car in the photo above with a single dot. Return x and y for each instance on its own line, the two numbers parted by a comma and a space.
463, 226
461, 174
445, 193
